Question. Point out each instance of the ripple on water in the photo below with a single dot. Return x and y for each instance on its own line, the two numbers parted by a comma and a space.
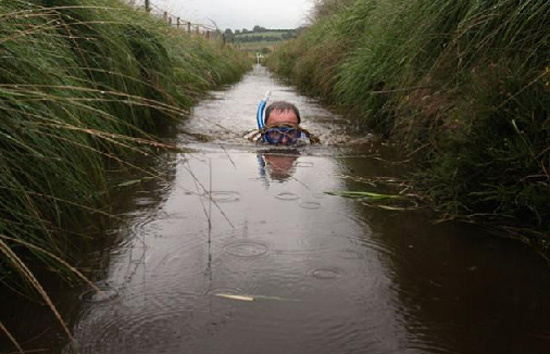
246, 249
222, 196
310, 205
326, 273
287, 196
350, 254
145, 202
222, 290
151, 330
145, 221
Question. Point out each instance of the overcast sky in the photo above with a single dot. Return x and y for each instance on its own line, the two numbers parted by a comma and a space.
239, 14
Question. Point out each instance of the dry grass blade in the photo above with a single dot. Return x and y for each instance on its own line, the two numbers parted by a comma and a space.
118, 95
22, 268
228, 156
205, 190
68, 202
56, 258
11, 338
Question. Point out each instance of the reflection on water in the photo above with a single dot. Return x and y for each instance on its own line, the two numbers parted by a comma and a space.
279, 165
325, 274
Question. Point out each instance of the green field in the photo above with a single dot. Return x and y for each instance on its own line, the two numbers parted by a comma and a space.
260, 41
255, 46
272, 34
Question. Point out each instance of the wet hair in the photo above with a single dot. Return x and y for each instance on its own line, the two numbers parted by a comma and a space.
281, 106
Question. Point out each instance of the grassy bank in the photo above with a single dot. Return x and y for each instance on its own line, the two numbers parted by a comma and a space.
83, 83
463, 85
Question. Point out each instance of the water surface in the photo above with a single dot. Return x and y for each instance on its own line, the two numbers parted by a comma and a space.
325, 274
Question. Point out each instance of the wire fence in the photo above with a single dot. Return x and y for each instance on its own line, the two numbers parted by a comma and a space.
208, 31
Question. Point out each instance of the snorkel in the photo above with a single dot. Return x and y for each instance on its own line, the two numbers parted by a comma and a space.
260, 114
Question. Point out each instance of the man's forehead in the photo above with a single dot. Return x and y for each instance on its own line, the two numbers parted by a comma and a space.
278, 110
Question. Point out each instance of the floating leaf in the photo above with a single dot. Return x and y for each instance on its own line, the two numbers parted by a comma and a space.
370, 195
236, 297
133, 182
393, 208
253, 297
129, 183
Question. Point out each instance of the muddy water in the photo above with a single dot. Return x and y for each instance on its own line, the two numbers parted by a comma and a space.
244, 252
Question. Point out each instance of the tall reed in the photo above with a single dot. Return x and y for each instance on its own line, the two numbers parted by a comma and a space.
82, 83
464, 83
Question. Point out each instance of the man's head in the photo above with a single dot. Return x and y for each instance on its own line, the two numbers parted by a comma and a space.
282, 119
281, 112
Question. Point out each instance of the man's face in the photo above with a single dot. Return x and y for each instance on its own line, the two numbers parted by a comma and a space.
282, 136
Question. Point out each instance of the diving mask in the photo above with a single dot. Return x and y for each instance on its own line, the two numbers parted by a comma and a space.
286, 135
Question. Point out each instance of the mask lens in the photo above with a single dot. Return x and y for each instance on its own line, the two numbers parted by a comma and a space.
278, 135
273, 135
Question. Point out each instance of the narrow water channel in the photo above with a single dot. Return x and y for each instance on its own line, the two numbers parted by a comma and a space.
244, 252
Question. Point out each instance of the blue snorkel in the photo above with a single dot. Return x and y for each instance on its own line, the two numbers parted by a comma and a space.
260, 114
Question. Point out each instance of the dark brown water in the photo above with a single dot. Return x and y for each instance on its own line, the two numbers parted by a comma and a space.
326, 274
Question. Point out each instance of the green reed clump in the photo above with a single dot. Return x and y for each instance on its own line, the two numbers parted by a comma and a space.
312, 62
464, 83
82, 82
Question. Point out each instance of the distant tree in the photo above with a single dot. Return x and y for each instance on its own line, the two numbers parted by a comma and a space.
257, 29
237, 31
244, 31
229, 36
289, 34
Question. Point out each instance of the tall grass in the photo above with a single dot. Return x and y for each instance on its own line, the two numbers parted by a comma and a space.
82, 83
464, 83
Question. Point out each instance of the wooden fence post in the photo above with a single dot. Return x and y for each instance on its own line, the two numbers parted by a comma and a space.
165, 16
178, 23
147, 5
188, 27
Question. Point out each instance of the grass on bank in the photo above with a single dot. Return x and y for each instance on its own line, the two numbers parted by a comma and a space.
465, 84
82, 83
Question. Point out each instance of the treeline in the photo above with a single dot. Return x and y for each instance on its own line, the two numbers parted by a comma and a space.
260, 38
260, 34
84, 83
464, 86
260, 29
